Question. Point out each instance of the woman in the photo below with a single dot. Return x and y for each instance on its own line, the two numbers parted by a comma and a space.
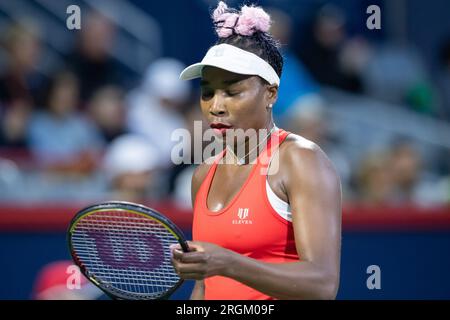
260, 231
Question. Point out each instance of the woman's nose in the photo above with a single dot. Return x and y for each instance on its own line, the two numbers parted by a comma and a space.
217, 105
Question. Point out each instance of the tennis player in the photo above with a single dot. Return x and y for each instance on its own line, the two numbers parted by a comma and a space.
260, 231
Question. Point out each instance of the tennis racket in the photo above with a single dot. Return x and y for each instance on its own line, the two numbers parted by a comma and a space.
123, 248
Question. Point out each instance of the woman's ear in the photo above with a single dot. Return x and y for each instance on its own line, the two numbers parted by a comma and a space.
272, 93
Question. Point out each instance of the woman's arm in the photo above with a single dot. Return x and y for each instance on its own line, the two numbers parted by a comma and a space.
198, 293
314, 194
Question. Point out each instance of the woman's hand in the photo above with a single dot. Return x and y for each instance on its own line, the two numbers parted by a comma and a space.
202, 261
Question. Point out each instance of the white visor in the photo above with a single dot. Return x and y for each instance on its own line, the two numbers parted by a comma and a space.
233, 59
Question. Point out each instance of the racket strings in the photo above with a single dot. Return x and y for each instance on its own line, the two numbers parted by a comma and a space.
126, 252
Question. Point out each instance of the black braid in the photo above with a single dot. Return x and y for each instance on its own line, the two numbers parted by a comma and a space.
219, 24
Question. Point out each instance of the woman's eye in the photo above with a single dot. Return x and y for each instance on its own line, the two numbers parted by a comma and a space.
207, 94
232, 93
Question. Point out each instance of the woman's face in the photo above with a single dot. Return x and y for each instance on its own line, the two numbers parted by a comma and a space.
231, 100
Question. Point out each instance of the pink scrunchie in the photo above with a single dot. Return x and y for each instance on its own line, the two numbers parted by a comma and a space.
250, 20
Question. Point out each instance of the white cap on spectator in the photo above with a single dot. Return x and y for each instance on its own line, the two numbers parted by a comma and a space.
161, 80
130, 154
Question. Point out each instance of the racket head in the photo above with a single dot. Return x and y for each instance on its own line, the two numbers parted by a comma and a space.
123, 248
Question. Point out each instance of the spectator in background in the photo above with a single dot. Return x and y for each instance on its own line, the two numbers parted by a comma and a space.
298, 89
373, 181
21, 85
412, 183
405, 166
443, 187
322, 47
311, 121
14, 121
60, 138
91, 60
51, 284
155, 109
131, 165
11, 178
107, 109
396, 176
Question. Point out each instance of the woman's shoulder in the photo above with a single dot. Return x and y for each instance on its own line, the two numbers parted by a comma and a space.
297, 151
295, 143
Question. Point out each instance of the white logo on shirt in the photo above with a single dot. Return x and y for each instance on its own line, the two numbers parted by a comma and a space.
242, 214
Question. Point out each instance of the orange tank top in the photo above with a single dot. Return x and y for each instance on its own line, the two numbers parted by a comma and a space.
248, 225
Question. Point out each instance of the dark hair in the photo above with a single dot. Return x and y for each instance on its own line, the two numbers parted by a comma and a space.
260, 43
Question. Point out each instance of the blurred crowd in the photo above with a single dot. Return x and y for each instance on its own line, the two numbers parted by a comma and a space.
82, 131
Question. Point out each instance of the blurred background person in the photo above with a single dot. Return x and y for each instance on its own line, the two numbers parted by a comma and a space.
132, 169
156, 108
14, 122
314, 123
60, 137
374, 183
413, 183
396, 176
21, 84
405, 166
107, 110
321, 47
90, 59
299, 89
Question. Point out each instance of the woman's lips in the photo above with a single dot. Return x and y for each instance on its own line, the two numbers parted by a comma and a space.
220, 128
221, 131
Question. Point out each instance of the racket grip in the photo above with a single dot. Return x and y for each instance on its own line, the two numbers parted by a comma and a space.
184, 246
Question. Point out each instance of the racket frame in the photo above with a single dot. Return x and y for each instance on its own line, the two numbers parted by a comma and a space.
136, 209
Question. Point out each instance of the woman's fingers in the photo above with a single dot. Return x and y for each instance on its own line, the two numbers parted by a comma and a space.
189, 265
189, 257
195, 246
177, 254
190, 268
